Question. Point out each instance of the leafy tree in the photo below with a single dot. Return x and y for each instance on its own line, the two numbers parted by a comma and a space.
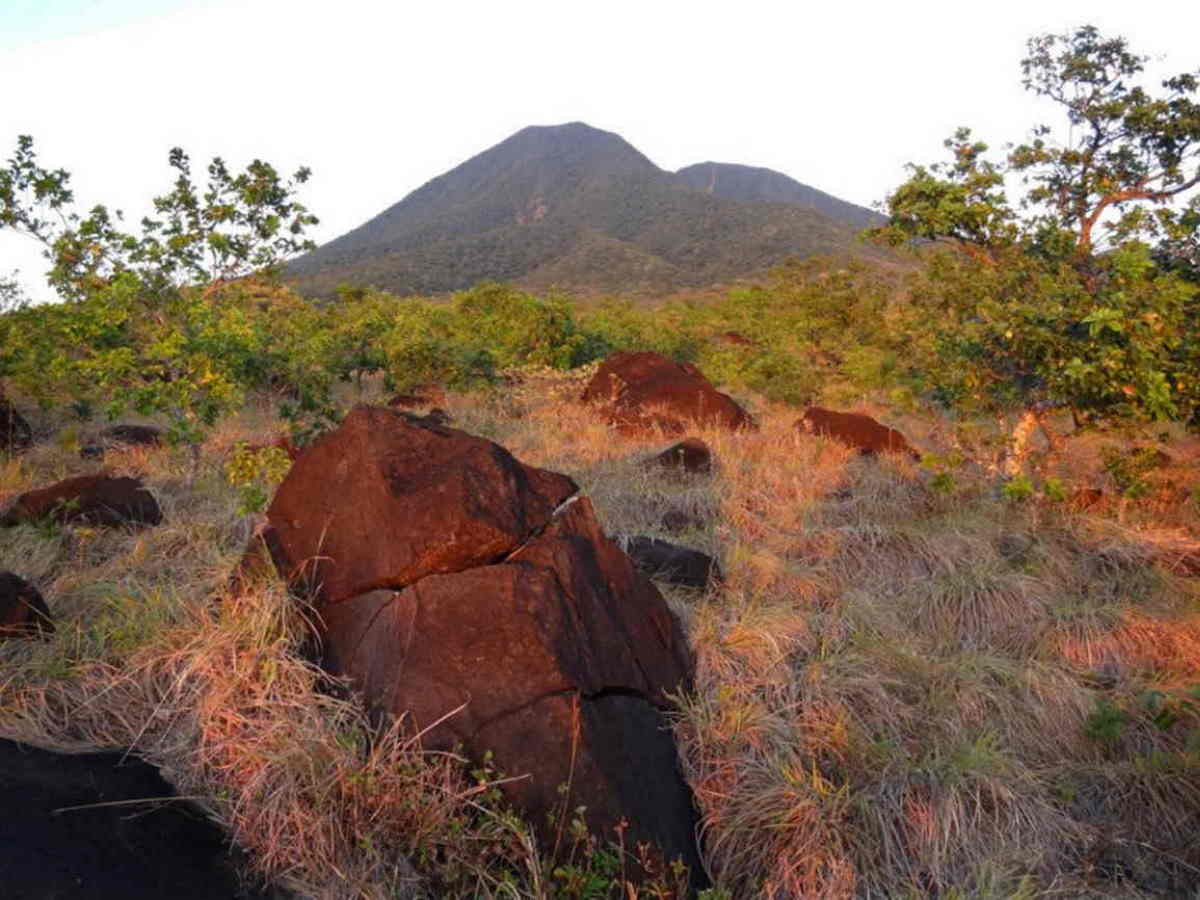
156, 320
1076, 294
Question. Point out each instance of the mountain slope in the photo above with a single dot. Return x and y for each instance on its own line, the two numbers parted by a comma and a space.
748, 184
568, 206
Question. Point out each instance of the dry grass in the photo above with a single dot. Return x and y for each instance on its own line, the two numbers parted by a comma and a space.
902, 691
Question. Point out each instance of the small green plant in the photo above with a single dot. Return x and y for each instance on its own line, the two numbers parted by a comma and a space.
1129, 468
1053, 490
255, 472
1018, 489
1106, 723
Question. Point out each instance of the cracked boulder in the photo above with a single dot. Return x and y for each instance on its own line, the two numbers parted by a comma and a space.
456, 588
389, 498
88, 499
642, 391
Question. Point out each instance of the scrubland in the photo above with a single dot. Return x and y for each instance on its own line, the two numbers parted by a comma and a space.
911, 683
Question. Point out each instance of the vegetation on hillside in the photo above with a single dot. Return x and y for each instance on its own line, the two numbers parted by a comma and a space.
578, 208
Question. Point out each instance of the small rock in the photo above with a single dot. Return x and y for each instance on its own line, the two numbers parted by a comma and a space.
691, 455
122, 436
23, 612
1015, 546
89, 499
672, 563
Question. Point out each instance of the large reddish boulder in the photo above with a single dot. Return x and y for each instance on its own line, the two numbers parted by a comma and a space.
643, 390
859, 431
15, 433
557, 661
23, 612
389, 498
458, 589
88, 499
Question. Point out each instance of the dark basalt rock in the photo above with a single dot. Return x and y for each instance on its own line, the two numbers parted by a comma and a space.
672, 563
691, 456
122, 436
855, 429
88, 499
644, 391
23, 612
62, 837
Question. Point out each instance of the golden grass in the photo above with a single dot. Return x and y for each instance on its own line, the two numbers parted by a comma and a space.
903, 689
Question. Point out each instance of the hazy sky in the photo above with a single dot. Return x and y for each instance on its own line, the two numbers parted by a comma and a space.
380, 97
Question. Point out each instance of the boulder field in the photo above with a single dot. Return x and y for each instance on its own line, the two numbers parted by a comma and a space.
479, 598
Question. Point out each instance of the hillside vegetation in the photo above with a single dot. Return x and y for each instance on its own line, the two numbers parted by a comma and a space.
574, 207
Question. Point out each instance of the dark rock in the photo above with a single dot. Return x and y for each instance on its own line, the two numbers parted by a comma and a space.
644, 391
859, 431
556, 659
437, 416
672, 563
691, 455
89, 499
1015, 546
387, 499
676, 521
63, 836
15, 433
23, 612
122, 436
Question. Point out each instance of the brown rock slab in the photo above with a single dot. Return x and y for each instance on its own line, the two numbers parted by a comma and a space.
556, 660
691, 456
387, 499
122, 436
859, 431
642, 390
23, 612
89, 499
671, 563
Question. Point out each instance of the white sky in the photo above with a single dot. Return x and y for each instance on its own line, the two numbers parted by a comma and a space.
380, 97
